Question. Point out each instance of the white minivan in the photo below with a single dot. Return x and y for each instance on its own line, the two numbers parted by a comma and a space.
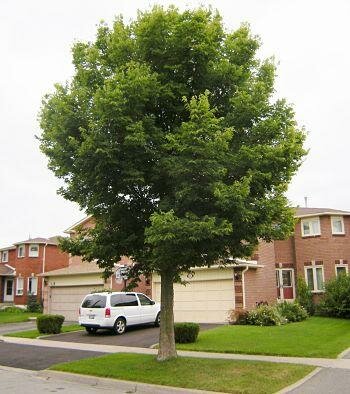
117, 310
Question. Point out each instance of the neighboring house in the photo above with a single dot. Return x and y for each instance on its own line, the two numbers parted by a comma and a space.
65, 288
318, 251
22, 262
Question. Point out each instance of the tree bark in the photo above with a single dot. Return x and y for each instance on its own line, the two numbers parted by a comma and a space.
167, 348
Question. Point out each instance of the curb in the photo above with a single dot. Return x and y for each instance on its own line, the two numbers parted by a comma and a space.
300, 382
125, 385
343, 353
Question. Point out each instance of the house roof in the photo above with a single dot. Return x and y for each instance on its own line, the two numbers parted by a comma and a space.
39, 240
7, 248
6, 270
75, 269
308, 212
72, 228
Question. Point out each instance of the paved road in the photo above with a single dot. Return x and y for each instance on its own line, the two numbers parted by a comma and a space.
22, 381
36, 357
141, 336
326, 381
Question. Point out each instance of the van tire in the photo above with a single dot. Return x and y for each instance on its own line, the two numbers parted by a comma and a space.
91, 330
119, 326
157, 321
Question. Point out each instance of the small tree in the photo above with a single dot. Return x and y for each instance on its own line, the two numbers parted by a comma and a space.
304, 296
168, 135
336, 299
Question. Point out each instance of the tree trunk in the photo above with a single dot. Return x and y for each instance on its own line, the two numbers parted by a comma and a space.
167, 348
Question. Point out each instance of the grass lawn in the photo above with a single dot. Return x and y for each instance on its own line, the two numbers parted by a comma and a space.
314, 337
36, 333
11, 317
204, 374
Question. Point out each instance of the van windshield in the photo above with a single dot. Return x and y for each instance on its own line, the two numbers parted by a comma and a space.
94, 301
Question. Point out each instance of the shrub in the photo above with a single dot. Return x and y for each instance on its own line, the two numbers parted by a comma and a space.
186, 332
237, 316
336, 299
304, 296
33, 305
292, 311
265, 315
12, 309
49, 324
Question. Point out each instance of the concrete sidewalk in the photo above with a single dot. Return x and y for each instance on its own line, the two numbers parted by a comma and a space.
317, 362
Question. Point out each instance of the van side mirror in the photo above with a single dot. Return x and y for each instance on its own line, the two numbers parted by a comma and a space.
153, 302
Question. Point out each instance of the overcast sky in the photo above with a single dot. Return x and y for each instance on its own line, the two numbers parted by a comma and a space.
309, 39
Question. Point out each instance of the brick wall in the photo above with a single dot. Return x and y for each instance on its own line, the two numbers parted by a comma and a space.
260, 283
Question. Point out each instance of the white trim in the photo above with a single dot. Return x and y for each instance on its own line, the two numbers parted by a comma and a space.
309, 221
36, 288
342, 224
341, 265
17, 287
29, 251
243, 285
280, 279
335, 213
313, 266
5, 253
24, 251
9, 297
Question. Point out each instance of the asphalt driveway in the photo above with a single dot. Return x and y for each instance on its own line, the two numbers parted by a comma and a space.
37, 358
140, 336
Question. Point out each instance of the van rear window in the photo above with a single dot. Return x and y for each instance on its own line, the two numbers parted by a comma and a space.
94, 301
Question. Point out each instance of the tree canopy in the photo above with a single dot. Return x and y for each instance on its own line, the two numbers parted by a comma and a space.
170, 136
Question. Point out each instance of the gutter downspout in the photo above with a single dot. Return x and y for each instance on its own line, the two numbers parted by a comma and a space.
43, 270
243, 285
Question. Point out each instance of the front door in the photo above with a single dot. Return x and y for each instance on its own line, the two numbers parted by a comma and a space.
8, 293
285, 283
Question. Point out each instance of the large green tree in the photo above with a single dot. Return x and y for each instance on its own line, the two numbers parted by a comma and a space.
168, 134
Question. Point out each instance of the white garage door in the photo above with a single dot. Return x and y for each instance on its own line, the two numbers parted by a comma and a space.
66, 300
201, 301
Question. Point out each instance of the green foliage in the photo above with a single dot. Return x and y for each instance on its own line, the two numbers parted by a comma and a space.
336, 299
12, 309
186, 332
49, 324
292, 311
265, 315
304, 296
33, 305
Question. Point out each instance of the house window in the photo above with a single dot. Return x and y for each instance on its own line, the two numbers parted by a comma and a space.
315, 278
310, 227
19, 286
32, 286
5, 256
341, 269
337, 225
33, 250
20, 251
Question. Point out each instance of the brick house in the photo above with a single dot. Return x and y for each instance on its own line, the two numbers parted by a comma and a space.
22, 262
318, 251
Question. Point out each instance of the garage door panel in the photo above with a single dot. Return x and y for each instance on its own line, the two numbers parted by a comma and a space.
201, 301
66, 300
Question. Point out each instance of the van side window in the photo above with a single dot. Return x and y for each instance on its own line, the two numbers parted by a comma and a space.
117, 300
144, 300
94, 301
130, 300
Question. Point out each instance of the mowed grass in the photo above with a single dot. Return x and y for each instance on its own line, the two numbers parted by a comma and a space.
35, 333
16, 317
193, 373
314, 337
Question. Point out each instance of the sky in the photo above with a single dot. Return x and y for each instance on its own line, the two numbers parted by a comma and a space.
310, 43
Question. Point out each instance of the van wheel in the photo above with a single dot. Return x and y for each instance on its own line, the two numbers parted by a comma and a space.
157, 321
91, 330
119, 326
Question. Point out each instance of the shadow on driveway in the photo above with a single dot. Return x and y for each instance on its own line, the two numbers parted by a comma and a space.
136, 336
